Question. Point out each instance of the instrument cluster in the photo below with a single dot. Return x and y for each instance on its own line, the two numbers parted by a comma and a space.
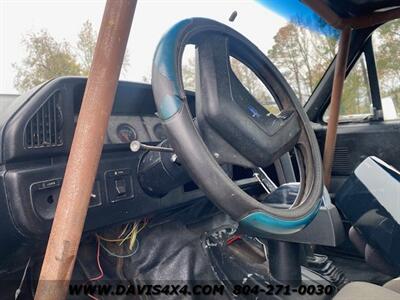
125, 129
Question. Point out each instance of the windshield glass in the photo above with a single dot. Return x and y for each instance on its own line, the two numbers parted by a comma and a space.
45, 39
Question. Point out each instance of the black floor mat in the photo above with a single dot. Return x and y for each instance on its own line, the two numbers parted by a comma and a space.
356, 269
172, 252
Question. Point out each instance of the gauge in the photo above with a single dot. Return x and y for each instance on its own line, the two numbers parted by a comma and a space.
126, 133
159, 132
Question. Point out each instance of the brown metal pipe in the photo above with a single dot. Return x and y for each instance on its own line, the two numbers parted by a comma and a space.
345, 24
326, 13
334, 110
372, 19
85, 151
376, 18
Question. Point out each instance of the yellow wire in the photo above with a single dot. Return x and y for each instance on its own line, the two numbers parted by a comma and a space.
134, 236
131, 236
123, 231
114, 240
134, 228
133, 239
109, 240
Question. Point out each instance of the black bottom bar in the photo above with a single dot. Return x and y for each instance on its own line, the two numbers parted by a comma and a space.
284, 261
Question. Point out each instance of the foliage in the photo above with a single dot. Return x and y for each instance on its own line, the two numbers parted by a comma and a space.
246, 76
302, 56
254, 85
85, 46
356, 98
387, 48
48, 58
188, 74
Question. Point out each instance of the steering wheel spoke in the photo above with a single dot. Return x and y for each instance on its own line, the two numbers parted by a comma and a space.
226, 109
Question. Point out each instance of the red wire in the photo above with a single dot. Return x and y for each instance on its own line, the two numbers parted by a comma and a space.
93, 297
101, 275
98, 263
233, 239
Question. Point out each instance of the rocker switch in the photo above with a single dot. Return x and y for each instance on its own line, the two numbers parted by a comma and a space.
120, 186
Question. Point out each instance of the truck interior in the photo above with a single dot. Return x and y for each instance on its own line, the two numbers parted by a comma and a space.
110, 181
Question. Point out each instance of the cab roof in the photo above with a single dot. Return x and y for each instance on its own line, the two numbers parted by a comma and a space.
355, 8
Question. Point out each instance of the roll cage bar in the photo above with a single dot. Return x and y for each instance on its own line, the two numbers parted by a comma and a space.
93, 118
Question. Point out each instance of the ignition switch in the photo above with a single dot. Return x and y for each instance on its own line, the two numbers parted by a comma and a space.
159, 170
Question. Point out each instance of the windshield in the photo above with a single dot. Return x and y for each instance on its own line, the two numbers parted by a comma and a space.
45, 39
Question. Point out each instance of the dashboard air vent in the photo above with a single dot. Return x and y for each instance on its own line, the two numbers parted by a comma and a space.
44, 129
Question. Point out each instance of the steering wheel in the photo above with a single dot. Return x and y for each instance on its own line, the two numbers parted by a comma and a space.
232, 127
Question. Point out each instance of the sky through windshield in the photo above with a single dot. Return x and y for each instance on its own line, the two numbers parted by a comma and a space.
267, 27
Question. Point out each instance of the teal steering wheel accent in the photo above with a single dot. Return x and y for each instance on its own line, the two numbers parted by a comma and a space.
165, 55
263, 222
169, 106
166, 64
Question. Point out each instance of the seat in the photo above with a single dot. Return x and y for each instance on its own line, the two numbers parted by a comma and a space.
368, 291
371, 255
369, 200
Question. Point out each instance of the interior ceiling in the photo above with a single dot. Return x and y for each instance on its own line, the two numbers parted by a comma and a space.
351, 8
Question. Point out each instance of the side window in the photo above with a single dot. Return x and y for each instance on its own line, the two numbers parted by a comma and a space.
356, 102
386, 43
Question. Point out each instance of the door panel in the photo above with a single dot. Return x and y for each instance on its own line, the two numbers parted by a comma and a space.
357, 141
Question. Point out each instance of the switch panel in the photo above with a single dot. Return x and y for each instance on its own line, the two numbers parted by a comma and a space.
119, 184
44, 197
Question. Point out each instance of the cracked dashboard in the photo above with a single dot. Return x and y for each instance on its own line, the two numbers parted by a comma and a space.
36, 134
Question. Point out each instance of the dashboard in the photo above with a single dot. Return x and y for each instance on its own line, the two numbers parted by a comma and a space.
125, 129
35, 137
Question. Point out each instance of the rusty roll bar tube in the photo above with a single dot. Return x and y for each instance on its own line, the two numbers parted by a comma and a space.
345, 24
334, 110
368, 20
85, 151
325, 12
373, 19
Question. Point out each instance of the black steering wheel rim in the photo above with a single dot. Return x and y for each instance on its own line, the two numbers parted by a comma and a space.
193, 152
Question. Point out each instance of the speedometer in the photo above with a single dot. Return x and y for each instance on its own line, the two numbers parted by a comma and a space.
126, 133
